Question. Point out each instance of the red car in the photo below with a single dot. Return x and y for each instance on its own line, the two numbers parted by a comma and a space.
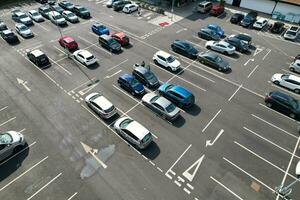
217, 10
121, 38
68, 42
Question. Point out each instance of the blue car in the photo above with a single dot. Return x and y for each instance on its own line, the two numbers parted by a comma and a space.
177, 94
216, 28
100, 29
131, 84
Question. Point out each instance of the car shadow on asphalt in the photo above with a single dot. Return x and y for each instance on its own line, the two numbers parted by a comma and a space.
196, 15
127, 46
13, 162
179, 122
93, 66
151, 152
194, 110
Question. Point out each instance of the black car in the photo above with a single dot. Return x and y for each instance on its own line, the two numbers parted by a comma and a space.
237, 18
145, 76
208, 34
184, 48
57, 8
238, 44
109, 43
283, 103
249, 19
9, 36
244, 37
39, 58
277, 27
42, 1
214, 60
44, 11
82, 12
51, 2
66, 5
119, 5
2, 26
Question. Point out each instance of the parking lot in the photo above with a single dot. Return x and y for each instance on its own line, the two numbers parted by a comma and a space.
229, 145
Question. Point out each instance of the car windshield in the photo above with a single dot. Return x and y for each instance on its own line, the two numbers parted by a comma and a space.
112, 42
109, 109
68, 4
95, 97
146, 138
170, 59
169, 87
23, 28
291, 33
5, 138
46, 10
170, 108
259, 23
9, 34
35, 14
82, 9
125, 123
134, 83
101, 27
218, 59
284, 76
247, 19
90, 58
23, 16
294, 103
70, 14
149, 75
57, 17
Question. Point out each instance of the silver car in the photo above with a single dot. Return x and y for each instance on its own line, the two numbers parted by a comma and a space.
23, 30
220, 46
133, 132
10, 142
161, 106
100, 105
295, 66
36, 16
71, 17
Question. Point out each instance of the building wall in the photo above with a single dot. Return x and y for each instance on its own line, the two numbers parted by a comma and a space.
265, 6
229, 1
287, 8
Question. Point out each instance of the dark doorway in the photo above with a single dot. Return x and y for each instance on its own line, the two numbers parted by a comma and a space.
236, 3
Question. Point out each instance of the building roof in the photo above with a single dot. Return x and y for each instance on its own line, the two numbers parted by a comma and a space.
297, 2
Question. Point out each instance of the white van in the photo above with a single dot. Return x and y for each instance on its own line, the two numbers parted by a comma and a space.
204, 7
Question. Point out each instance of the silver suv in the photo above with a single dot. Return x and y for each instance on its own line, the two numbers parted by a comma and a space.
10, 142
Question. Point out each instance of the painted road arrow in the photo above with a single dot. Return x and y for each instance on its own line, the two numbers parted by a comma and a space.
252, 59
21, 82
209, 143
93, 152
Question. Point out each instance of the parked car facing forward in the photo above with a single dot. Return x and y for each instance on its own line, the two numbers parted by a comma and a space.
9, 36
85, 57
295, 66
288, 81
260, 23
119, 5
131, 84
217, 29
45, 10
184, 48
121, 38
68, 43
249, 19
166, 60
220, 46
99, 29
81, 11
109, 43
237, 18
11, 142
39, 58
2, 26
208, 34
214, 60
243, 37
69, 16
238, 44
21, 17
145, 76
66, 5
130, 8
36, 16
23, 30
57, 19
292, 33
216, 10
277, 27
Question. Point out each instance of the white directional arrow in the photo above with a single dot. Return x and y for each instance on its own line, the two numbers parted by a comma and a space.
21, 82
209, 143
109, 76
92, 151
252, 59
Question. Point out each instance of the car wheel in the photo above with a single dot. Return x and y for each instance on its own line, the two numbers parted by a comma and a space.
226, 52
169, 69
18, 149
297, 91
202, 61
292, 115
292, 69
269, 105
155, 61
133, 93
276, 82
219, 69
208, 47
147, 85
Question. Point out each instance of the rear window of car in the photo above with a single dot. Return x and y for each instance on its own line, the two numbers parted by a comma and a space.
146, 138
90, 58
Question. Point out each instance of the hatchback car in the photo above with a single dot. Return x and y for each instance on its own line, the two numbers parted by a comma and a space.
166, 60
39, 58
216, 10
11, 142
216, 28
208, 34
66, 5
57, 19
36, 16
85, 57
295, 66
260, 23
249, 19
121, 38
68, 43
161, 106
21, 17
101, 105
238, 44
237, 18
133, 132
131, 84
291, 33
214, 60
277, 27
69, 16
82, 12
177, 94
283, 103
100, 29
184, 48
130, 8
2, 26
119, 5
24, 31
220, 46
110, 3
145, 76
44, 11
246, 38
57, 8
290, 82
109, 43
9, 36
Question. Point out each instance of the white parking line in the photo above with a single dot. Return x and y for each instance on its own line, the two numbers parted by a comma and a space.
42, 27
266, 54
56, 177
277, 112
269, 123
126, 93
211, 120
229, 190
71, 197
81, 85
287, 71
28, 170
265, 160
3, 108
59, 50
252, 71
235, 92
269, 141
22, 130
60, 66
198, 45
117, 65
13, 118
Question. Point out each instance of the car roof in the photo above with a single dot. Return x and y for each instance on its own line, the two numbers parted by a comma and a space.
19, 25
67, 12
120, 34
102, 102
281, 94
224, 43
85, 53
163, 54
54, 13
142, 70
163, 102
294, 28
180, 90
7, 31
127, 77
105, 37
207, 30
33, 11
68, 39
261, 20
295, 78
183, 42
37, 53
213, 25
137, 129
205, 3
210, 54
216, 6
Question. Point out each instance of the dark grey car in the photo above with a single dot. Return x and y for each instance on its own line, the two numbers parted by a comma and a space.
208, 34
214, 60
145, 76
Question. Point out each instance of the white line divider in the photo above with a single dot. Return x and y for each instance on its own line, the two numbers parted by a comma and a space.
211, 120
235, 92
56, 177
71, 197
229, 190
8, 121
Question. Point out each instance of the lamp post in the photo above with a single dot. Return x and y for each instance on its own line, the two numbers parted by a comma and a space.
172, 9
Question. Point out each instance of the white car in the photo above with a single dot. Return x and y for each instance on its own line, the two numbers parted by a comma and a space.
10, 142
23, 30
166, 60
110, 3
288, 81
100, 105
35, 15
220, 46
129, 8
133, 132
292, 33
57, 19
71, 17
260, 23
295, 66
85, 57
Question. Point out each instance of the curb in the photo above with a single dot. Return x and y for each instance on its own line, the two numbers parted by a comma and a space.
150, 7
